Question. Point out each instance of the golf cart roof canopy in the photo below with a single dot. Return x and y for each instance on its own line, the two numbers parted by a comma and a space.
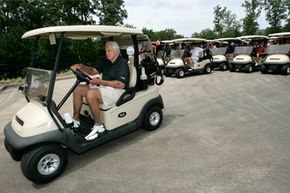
189, 40
280, 35
82, 31
253, 37
167, 41
226, 39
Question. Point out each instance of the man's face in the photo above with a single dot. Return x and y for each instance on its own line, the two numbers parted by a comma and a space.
111, 53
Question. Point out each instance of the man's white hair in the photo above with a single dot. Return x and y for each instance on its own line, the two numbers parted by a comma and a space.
114, 45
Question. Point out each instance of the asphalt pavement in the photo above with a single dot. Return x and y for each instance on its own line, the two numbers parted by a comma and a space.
222, 133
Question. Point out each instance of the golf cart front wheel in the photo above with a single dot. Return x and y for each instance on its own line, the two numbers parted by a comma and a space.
44, 163
153, 118
285, 70
223, 67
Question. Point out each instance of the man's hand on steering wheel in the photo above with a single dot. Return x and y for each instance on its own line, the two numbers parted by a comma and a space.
81, 76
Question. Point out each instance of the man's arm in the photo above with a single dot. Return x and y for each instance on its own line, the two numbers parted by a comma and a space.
87, 69
112, 83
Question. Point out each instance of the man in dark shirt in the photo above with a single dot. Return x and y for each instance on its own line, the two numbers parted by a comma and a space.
115, 79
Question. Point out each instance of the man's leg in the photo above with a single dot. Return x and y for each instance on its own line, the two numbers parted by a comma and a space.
78, 95
94, 99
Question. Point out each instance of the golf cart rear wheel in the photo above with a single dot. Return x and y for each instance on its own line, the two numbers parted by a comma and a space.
180, 73
153, 118
285, 70
44, 163
223, 67
249, 68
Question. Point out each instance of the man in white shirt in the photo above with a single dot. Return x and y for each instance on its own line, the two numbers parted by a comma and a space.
196, 53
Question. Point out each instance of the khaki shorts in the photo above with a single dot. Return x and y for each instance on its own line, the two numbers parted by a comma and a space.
109, 94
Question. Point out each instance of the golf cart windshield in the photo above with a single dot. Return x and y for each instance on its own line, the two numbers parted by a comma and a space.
176, 54
218, 51
243, 50
279, 49
37, 83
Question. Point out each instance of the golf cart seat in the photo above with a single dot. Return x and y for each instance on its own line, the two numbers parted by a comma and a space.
130, 92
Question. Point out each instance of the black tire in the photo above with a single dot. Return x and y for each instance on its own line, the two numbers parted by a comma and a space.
15, 155
249, 68
207, 69
264, 69
232, 68
223, 66
153, 118
51, 157
285, 70
180, 73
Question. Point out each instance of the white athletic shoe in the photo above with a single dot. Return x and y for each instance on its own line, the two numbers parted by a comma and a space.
94, 133
76, 123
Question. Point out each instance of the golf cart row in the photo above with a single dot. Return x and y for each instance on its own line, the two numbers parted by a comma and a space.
241, 53
233, 54
173, 62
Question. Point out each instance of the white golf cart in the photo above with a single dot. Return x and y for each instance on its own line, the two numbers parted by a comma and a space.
39, 135
245, 56
177, 66
278, 55
222, 55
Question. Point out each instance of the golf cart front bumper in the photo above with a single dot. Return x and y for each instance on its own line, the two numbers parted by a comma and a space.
14, 142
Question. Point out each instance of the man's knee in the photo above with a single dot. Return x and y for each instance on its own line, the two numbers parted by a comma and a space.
80, 90
93, 95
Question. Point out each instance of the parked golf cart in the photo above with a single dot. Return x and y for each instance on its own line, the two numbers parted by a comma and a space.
278, 55
39, 135
177, 66
245, 56
223, 55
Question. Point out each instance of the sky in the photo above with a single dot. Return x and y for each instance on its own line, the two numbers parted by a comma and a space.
184, 16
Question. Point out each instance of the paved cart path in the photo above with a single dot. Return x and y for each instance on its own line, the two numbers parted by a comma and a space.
223, 132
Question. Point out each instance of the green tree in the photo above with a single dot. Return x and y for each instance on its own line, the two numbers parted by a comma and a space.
219, 13
167, 34
206, 34
287, 25
110, 12
253, 11
276, 11
225, 22
19, 16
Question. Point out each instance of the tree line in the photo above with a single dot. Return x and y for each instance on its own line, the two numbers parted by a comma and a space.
19, 16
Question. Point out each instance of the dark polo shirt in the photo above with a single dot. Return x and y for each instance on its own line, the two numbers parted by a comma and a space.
118, 70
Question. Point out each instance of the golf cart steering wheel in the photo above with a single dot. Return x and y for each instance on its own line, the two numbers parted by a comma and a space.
81, 76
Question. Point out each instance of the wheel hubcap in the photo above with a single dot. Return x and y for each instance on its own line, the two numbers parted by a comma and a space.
154, 118
181, 73
250, 69
208, 69
48, 164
